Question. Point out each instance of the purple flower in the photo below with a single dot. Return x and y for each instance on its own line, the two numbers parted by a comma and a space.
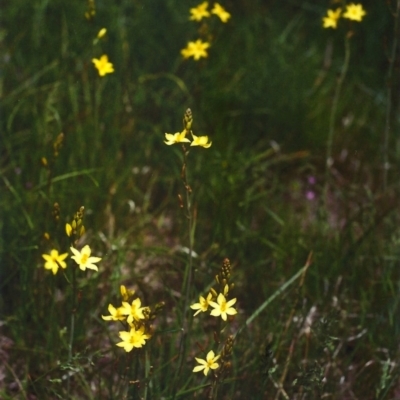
310, 195
311, 180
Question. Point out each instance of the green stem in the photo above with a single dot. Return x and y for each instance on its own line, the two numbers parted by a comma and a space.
189, 267
389, 98
147, 373
72, 327
332, 118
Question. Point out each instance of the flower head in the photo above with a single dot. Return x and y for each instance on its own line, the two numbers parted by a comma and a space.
354, 12
103, 65
199, 12
134, 311
133, 338
222, 307
201, 141
126, 293
173, 138
332, 19
202, 305
207, 364
68, 229
55, 260
195, 49
101, 33
115, 314
83, 259
220, 11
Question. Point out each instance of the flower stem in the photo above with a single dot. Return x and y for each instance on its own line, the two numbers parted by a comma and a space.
332, 118
72, 327
189, 266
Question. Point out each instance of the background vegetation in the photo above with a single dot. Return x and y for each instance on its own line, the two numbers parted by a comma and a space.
261, 195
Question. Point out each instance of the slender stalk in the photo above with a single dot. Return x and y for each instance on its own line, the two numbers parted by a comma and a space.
187, 281
72, 327
392, 59
189, 266
332, 118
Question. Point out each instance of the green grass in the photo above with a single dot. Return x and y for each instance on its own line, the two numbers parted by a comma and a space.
261, 197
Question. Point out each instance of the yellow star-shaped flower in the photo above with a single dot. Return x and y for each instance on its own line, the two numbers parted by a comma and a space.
179, 137
201, 141
354, 12
55, 260
134, 311
195, 49
202, 305
133, 338
83, 259
207, 364
115, 314
103, 65
199, 12
220, 11
332, 19
222, 307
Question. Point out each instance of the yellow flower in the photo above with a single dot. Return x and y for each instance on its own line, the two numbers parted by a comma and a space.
220, 11
201, 141
103, 66
195, 49
354, 12
101, 33
83, 259
202, 305
207, 364
68, 229
126, 293
133, 338
176, 138
134, 311
55, 260
199, 12
222, 307
332, 19
115, 314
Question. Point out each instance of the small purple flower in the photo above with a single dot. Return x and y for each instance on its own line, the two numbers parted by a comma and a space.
311, 180
310, 195
17, 170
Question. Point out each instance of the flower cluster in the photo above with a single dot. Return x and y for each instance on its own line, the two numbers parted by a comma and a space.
180, 137
83, 258
136, 318
354, 12
222, 307
198, 49
200, 12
